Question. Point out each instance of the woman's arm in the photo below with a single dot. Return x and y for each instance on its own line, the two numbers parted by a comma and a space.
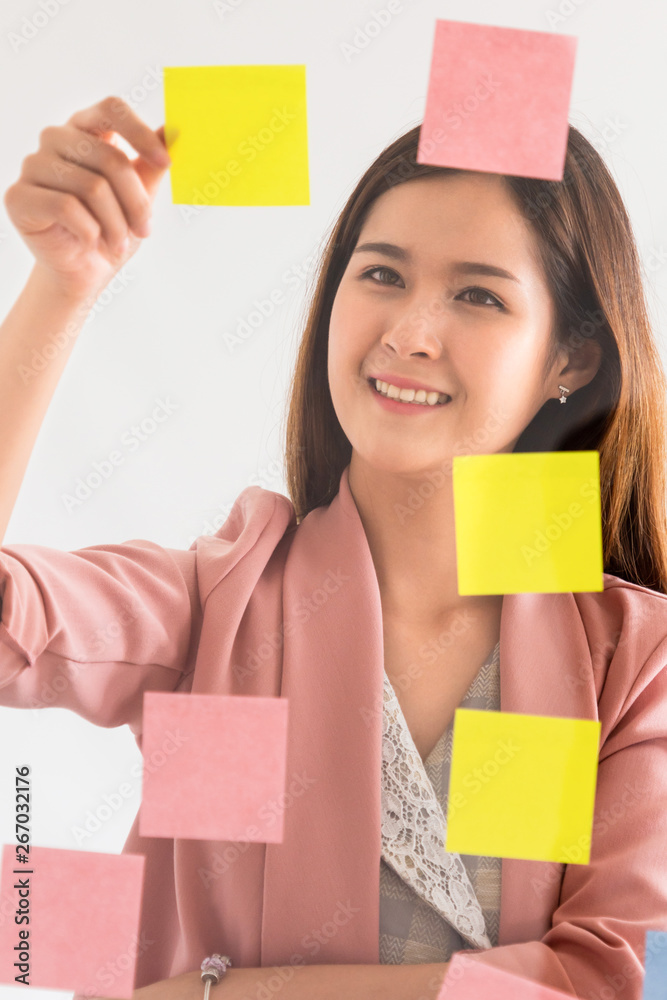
73, 220
308, 982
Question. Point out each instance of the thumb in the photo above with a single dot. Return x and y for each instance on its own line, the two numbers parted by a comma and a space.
149, 172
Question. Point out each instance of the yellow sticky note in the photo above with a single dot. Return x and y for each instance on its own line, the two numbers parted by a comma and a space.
237, 135
528, 522
522, 786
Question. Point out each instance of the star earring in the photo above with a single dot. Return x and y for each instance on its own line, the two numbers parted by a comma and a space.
563, 390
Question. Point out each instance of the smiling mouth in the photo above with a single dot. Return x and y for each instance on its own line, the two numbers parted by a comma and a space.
420, 397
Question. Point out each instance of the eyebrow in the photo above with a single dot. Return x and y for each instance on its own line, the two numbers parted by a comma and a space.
458, 267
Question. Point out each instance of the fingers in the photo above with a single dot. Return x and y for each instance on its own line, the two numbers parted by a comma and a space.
114, 196
81, 181
111, 117
114, 115
39, 208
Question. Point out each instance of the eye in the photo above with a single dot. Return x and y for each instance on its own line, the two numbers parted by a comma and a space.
494, 302
482, 291
372, 270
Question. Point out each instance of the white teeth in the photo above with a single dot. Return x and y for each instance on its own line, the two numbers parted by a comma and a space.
420, 396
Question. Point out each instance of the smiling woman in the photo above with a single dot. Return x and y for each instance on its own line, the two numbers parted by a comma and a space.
455, 297
577, 292
471, 303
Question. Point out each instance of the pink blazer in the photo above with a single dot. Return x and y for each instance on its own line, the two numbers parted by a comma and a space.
266, 607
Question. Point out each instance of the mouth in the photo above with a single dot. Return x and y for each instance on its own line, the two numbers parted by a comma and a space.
420, 398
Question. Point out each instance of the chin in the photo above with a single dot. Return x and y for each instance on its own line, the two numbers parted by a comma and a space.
399, 462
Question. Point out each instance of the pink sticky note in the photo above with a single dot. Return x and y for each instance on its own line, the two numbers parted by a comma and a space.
83, 928
467, 979
214, 767
498, 100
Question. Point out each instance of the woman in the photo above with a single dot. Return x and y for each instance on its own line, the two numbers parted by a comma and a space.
486, 295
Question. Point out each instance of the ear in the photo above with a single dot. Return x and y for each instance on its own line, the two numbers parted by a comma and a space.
577, 366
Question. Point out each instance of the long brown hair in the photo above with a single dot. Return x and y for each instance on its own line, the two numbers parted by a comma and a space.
592, 267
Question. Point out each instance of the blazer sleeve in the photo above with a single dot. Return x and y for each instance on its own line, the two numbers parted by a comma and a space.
91, 629
596, 943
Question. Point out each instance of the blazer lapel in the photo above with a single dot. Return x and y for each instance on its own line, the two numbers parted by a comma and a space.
322, 883
545, 661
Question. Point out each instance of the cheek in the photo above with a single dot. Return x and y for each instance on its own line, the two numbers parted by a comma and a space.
506, 364
337, 322
335, 347
345, 346
338, 350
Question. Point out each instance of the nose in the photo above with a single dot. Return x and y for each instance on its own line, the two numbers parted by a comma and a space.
418, 330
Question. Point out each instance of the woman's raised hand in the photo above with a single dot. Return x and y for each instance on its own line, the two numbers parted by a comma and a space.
80, 204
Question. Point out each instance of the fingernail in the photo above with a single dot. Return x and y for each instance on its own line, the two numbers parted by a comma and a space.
162, 158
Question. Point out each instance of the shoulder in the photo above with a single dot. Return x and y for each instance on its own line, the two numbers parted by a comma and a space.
623, 609
626, 628
257, 523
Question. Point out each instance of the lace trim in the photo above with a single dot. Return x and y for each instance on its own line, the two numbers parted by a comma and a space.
414, 830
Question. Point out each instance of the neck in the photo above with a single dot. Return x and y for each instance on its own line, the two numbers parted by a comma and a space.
409, 524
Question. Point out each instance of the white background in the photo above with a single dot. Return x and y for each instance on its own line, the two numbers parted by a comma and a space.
162, 335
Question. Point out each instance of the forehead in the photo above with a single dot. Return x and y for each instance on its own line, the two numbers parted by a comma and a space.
455, 215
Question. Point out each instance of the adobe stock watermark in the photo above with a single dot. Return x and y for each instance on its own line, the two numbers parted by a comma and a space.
247, 150
98, 642
212, 523
655, 259
435, 985
95, 819
617, 982
532, 208
375, 25
455, 115
601, 653
120, 106
429, 651
564, 11
266, 478
311, 942
268, 812
458, 112
474, 780
107, 974
225, 7
458, 966
150, 81
560, 522
578, 335
438, 478
131, 440
605, 820
609, 133
36, 22
248, 323
111, 803
89, 308
262, 478
93, 138
304, 609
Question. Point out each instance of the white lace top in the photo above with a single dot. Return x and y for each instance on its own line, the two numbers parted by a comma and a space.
432, 903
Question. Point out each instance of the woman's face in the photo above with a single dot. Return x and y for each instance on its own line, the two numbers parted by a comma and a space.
423, 311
